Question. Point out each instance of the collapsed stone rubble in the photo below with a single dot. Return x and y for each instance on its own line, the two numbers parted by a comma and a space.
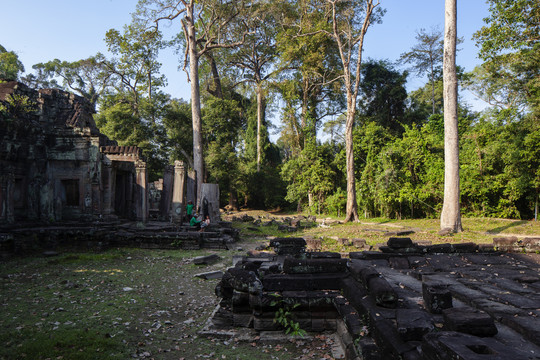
407, 301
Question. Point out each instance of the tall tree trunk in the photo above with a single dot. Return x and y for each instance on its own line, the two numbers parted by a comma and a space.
536, 207
432, 90
260, 111
195, 104
351, 212
450, 216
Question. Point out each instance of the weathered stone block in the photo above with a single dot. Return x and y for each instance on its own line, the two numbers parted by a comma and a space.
469, 321
382, 292
399, 243
206, 260
242, 319
388, 339
362, 271
314, 244
486, 248
278, 282
506, 241
367, 349
437, 297
398, 262
265, 323
222, 318
413, 324
240, 298
439, 248
468, 247
416, 261
453, 345
369, 255
211, 275
280, 242
314, 266
243, 280
323, 255
531, 243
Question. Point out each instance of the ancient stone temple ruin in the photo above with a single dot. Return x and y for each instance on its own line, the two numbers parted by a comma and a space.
56, 165
407, 301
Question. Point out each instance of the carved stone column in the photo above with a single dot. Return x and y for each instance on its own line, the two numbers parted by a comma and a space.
191, 186
166, 193
3, 198
106, 176
8, 194
210, 202
129, 197
178, 199
141, 201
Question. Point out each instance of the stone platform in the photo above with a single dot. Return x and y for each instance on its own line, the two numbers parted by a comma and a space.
408, 302
27, 238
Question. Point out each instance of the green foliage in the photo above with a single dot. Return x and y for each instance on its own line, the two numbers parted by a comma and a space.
512, 25
383, 95
17, 107
87, 77
510, 41
336, 203
178, 126
309, 175
10, 65
284, 316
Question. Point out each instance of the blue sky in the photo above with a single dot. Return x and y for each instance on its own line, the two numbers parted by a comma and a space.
39, 31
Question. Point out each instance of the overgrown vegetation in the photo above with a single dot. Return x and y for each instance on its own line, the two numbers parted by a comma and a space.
398, 135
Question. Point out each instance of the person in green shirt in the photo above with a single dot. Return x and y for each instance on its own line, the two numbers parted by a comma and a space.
195, 222
189, 210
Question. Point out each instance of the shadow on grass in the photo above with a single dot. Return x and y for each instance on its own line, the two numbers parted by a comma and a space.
500, 229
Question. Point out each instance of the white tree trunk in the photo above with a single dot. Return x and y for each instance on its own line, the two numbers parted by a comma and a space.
351, 213
259, 124
450, 216
195, 106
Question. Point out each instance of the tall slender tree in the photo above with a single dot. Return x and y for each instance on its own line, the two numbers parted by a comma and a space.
348, 24
450, 216
206, 25
256, 58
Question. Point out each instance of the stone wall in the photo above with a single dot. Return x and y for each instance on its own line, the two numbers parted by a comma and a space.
56, 165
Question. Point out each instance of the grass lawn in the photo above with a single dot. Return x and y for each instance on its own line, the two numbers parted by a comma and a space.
374, 231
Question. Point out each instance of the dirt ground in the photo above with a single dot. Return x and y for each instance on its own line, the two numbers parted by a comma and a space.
125, 303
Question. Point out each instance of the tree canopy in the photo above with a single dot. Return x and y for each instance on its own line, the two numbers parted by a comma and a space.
285, 112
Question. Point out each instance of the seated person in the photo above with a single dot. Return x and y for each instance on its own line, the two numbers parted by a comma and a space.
195, 222
205, 223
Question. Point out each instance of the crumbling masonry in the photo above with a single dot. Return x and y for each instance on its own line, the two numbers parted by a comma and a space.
56, 165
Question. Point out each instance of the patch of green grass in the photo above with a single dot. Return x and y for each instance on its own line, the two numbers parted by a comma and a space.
62, 343
251, 231
89, 257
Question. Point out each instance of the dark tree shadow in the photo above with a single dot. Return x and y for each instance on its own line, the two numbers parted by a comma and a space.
500, 229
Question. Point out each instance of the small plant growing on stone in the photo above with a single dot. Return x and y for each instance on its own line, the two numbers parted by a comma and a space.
283, 316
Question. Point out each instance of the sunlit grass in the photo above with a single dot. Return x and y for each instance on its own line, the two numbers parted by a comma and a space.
377, 230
